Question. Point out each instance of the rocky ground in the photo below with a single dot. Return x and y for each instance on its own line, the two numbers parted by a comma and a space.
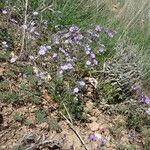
109, 131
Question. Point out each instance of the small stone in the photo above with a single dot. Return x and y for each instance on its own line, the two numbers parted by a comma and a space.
3, 147
93, 126
32, 109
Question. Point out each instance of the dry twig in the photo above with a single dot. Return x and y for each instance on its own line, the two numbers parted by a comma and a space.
24, 29
72, 128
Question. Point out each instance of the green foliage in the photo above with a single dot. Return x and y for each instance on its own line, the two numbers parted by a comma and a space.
146, 135
63, 94
40, 115
135, 115
53, 125
121, 74
9, 96
18, 147
18, 117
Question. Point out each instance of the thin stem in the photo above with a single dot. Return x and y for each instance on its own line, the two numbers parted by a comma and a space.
24, 29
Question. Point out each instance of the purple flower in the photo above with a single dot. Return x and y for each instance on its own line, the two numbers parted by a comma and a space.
4, 12
54, 55
81, 83
95, 62
33, 23
92, 55
90, 31
32, 29
60, 72
62, 50
87, 52
42, 75
4, 44
136, 87
73, 29
109, 32
102, 141
87, 48
67, 66
68, 59
88, 63
145, 99
76, 90
42, 50
92, 137
79, 37
98, 28
68, 41
148, 111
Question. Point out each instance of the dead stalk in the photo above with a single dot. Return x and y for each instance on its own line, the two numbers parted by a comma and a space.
72, 128
24, 29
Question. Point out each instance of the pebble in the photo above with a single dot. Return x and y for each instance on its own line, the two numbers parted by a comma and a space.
94, 126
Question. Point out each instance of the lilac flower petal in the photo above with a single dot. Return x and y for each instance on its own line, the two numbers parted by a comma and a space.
33, 23
79, 37
4, 12
4, 42
102, 141
76, 90
32, 29
95, 62
54, 55
88, 63
136, 87
92, 55
92, 137
87, 52
81, 83
98, 28
145, 99
42, 50
73, 29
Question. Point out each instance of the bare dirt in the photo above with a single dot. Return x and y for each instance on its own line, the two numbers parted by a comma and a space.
14, 132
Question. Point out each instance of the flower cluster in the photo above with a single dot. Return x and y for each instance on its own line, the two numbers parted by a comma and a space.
80, 86
101, 141
73, 45
141, 96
